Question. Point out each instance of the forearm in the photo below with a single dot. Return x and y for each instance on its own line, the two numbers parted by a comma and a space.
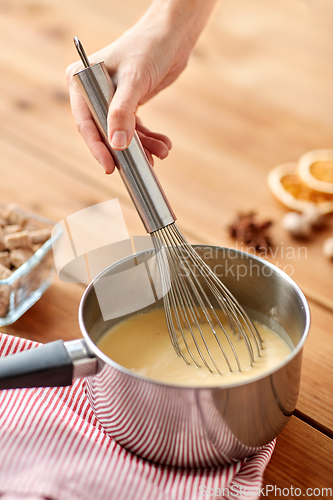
186, 17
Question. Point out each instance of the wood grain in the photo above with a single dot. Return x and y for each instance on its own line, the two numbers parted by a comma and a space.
302, 459
316, 393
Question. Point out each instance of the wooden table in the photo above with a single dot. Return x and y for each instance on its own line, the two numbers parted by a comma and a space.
257, 93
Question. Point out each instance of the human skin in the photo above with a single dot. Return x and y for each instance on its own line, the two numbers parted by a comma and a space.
143, 61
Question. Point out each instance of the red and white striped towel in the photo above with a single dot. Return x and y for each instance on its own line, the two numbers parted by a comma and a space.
52, 447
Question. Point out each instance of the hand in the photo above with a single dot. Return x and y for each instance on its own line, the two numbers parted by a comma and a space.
153, 143
143, 61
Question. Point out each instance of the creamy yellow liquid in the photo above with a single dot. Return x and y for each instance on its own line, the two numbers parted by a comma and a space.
142, 344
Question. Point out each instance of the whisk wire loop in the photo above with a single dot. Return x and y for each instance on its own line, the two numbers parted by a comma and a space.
187, 305
168, 297
190, 273
228, 297
184, 305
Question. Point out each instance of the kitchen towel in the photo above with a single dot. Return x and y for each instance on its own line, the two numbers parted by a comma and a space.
52, 447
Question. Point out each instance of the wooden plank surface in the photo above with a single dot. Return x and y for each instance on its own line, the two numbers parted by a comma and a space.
257, 92
302, 459
316, 393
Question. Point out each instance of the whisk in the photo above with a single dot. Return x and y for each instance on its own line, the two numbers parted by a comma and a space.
188, 306
194, 295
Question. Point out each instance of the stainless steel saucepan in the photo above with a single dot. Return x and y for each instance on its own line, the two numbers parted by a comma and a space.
174, 425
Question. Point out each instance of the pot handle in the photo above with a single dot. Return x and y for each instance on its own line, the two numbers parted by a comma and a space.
51, 365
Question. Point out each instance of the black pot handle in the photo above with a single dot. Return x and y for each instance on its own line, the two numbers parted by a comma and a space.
50, 365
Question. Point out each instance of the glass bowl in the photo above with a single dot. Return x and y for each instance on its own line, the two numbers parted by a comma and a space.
27, 284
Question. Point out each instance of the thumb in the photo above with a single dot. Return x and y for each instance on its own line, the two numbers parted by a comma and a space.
121, 115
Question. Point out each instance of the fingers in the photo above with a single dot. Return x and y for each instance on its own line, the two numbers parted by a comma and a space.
153, 146
160, 137
121, 116
88, 129
157, 144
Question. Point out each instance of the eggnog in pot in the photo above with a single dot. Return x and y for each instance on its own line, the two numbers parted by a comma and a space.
142, 344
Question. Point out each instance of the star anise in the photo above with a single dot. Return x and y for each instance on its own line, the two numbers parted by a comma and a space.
250, 231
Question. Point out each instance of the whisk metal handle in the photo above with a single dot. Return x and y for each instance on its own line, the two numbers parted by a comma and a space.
140, 180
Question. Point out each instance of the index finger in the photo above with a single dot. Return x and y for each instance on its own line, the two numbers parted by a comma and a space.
89, 131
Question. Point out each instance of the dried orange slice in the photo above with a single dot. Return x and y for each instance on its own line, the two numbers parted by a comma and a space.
289, 189
316, 170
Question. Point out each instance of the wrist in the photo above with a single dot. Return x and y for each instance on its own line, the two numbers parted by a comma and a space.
183, 19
